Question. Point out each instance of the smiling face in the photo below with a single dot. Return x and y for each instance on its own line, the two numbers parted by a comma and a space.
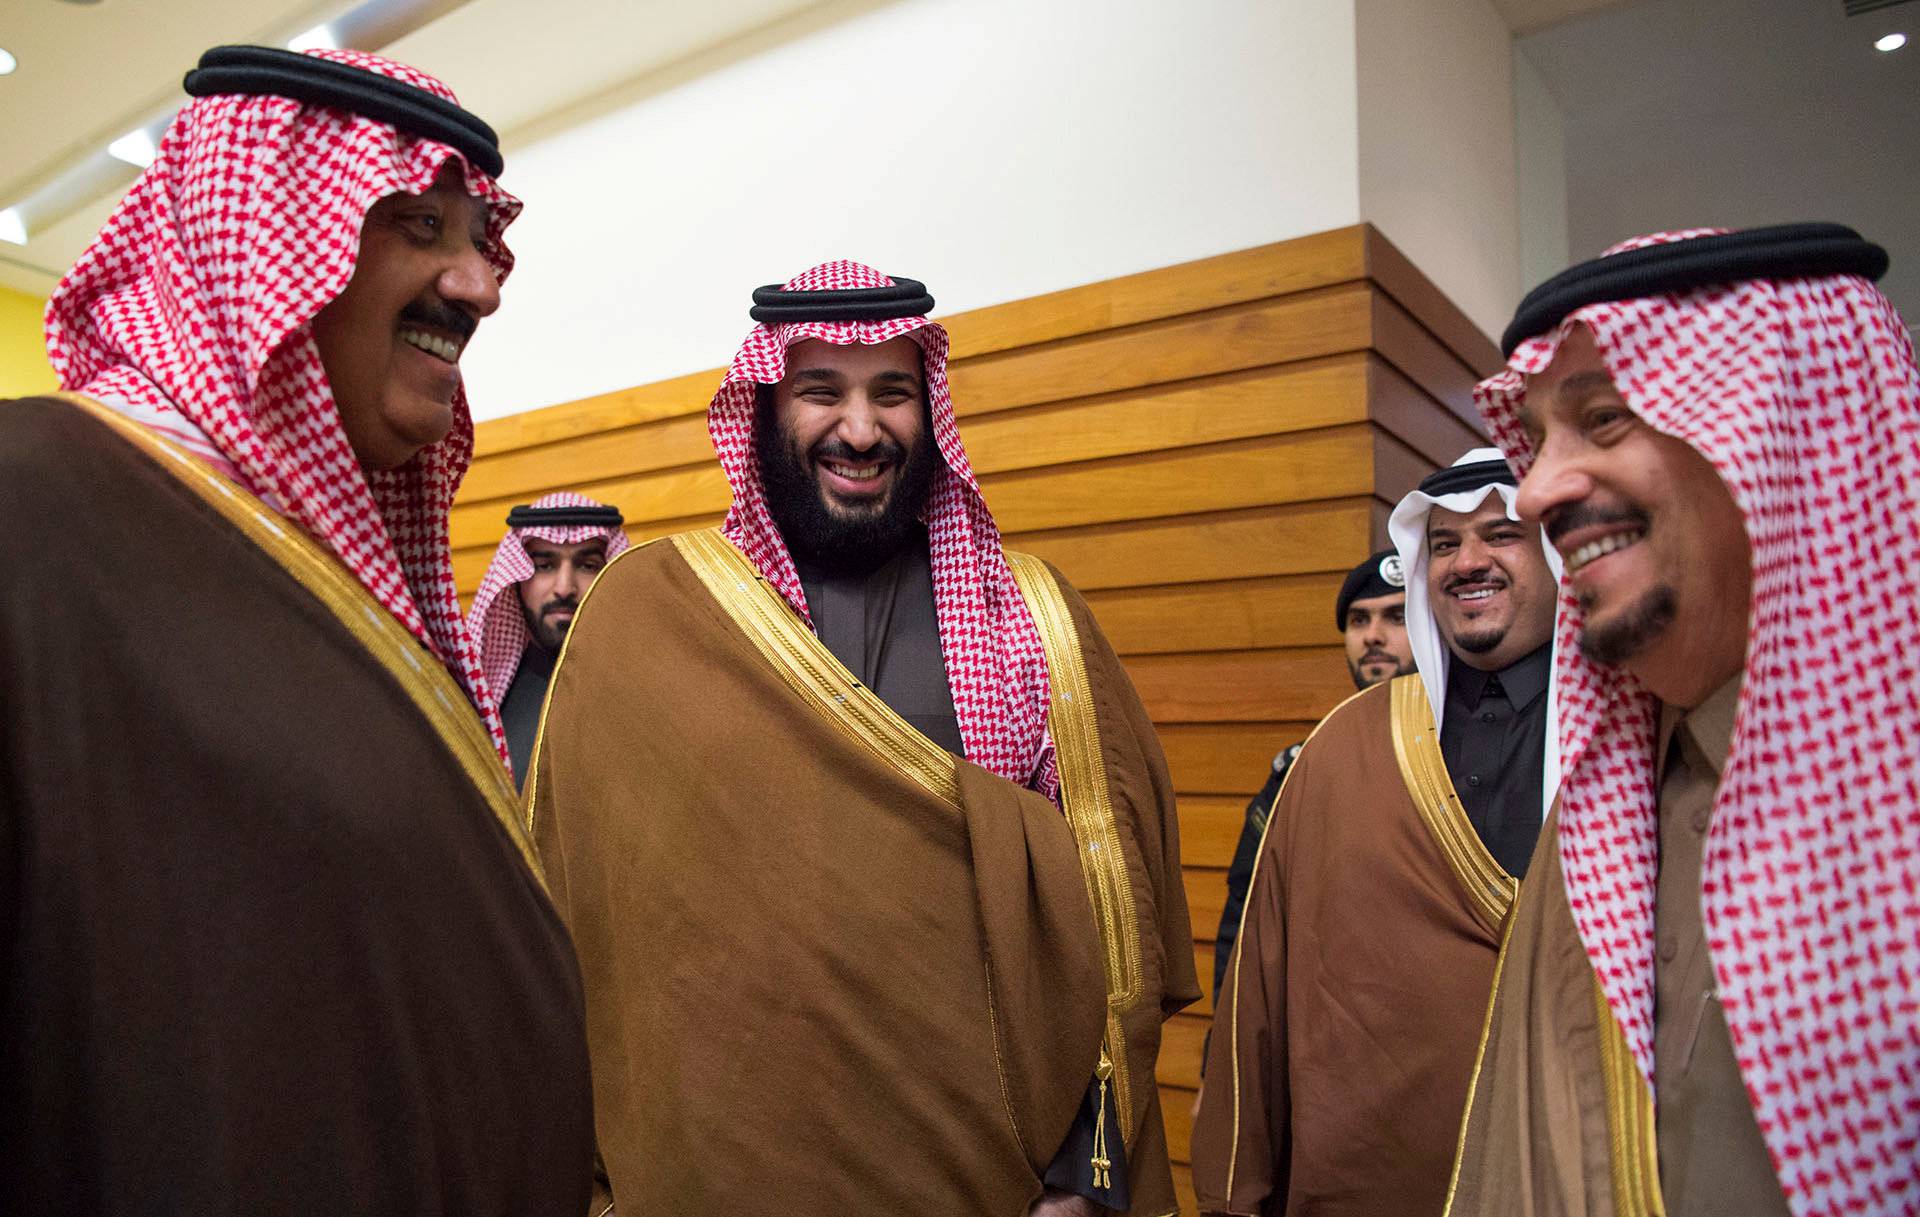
1376, 634
1488, 581
846, 452
561, 575
1654, 545
391, 341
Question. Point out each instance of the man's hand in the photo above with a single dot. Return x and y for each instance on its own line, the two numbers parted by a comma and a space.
1055, 1203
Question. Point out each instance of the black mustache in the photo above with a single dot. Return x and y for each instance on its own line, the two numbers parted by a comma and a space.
1583, 515
1379, 657
1485, 574
839, 450
570, 603
442, 317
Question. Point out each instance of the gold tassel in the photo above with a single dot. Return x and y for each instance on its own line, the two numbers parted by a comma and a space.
1102, 1172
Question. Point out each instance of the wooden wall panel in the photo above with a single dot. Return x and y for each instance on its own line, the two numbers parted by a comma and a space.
1203, 450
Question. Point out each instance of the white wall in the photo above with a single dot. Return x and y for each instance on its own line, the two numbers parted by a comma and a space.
1540, 141
1437, 145
994, 148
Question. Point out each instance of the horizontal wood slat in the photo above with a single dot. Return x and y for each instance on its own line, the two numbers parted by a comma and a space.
1240, 614
1206, 898
1226, 758
1280, 540
1181, 1040
1326, 321
1210, 827
1241, 686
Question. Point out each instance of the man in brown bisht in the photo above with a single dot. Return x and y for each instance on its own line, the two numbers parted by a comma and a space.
1343, 1043
274, 938
1371, 611
1709, 995
865, 839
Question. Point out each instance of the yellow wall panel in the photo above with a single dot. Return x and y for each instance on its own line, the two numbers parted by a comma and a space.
24, 369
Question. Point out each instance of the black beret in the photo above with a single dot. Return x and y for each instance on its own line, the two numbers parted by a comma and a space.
1380, 575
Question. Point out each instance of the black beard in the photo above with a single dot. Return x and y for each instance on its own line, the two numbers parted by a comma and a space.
1480, 643
1632, 632
1361, 682
841, 542
548, 637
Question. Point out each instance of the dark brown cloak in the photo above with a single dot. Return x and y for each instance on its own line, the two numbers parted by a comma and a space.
273, 944
1342, 1049
830, 969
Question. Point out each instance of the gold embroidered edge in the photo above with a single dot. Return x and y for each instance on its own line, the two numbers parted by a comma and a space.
363, 617
1479, 1058
1088, 804
1416, 745
810, 668
1634, 1155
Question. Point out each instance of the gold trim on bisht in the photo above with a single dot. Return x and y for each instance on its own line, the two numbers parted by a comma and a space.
809, 668
1634, 1153
1089, 810
1416, 744
424, 679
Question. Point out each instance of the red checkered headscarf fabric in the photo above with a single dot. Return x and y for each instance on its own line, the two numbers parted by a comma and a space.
193, 310
1804, 396
995, 662
497, 620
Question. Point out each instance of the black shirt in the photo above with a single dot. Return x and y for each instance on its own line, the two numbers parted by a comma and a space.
883, 626
1493, 734
520, 708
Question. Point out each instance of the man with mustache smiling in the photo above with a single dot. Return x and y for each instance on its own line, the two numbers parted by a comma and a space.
864, 837
1344, 1036
1709, 1004
274, 938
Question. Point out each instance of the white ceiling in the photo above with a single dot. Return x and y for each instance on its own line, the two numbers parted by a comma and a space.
91, 72
1740, 112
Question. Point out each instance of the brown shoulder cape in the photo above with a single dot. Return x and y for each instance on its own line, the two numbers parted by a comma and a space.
1342, 1049
1560, 1122
273, 938
831, 969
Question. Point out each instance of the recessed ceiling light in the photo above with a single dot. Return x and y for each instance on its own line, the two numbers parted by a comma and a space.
7, 62
319, 38
135, 147
12, 228
1892, 42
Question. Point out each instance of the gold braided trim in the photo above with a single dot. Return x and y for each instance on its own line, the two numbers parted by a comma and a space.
1416, 744
1089, 808
1634, 1154
425, 681
810, 668
1479, 1064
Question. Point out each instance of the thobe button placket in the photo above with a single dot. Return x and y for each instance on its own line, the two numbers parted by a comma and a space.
1669, 948
1473, 779
1487, 717
1703, 818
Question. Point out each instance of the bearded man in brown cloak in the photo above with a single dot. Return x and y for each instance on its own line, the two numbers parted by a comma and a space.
864, 837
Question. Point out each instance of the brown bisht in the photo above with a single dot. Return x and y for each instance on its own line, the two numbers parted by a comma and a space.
1342, 1048
830, 968
274, 938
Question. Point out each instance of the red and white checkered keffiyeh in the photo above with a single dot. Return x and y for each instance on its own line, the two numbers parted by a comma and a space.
995, 662
496, 619
192, 310
1804, 396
